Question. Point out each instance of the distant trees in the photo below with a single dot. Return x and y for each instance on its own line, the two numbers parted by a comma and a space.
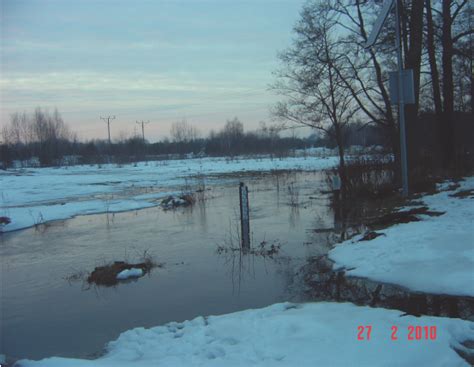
40, 126
46, 136
6, 155
41, 132
232, 135
183, 132
232, 140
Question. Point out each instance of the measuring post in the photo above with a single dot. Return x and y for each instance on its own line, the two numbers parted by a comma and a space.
244, 215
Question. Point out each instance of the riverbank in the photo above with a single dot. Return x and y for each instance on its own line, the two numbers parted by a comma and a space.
432, 254
285, 334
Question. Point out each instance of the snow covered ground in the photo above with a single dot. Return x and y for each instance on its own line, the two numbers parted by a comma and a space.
435, 255
311, 334
130, 273
37, 195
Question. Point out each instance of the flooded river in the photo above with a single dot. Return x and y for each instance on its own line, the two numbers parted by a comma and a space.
44, 314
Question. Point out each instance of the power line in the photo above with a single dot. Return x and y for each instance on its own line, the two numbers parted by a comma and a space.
143, 123
107, 119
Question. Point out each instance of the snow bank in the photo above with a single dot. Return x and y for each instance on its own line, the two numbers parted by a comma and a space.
435, 255
312, 334
130, 273
27, 216
37, 195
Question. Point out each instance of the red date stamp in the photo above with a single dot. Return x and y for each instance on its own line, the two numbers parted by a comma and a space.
364, 332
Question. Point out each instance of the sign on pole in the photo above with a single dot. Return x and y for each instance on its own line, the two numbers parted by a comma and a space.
386, 7
408, 86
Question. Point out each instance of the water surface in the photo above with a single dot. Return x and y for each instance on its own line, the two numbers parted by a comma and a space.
42, 314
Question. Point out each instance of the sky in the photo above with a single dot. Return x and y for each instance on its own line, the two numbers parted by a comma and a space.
205, 61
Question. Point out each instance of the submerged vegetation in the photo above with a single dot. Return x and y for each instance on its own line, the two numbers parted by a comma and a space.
108, 274
263, 249
173, 202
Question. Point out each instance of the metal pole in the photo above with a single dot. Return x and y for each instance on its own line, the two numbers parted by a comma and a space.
401, 104
244, 216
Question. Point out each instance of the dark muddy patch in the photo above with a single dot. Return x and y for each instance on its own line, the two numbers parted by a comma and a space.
416, 203
370, 235
5, 220
453, 186
173, 202
466, 351
398, 217
464, 194
107, 275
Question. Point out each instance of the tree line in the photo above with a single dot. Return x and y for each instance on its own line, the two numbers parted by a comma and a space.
46, 137
328, 80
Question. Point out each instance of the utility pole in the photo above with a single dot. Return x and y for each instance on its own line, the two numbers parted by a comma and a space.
401, 89
401, 104
107, 119
143, 123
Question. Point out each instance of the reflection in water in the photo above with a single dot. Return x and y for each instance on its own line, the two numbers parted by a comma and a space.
201, 204
294, 216
326, 284
194, 280
350, 215
241, 261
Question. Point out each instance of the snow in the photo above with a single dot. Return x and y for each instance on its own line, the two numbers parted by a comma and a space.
27, 216
130, 273
434, 255
316, 151
311, 334
34, 195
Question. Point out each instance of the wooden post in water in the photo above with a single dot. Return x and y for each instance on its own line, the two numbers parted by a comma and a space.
244, 215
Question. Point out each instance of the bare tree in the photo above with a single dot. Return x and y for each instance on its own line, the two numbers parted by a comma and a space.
430, 44
19, 131
232, 135
364, 71
316, 95
441, 61
449, 36
47, 130
183, 132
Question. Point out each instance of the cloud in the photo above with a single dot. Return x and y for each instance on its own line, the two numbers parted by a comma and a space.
97, 81
153, 95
